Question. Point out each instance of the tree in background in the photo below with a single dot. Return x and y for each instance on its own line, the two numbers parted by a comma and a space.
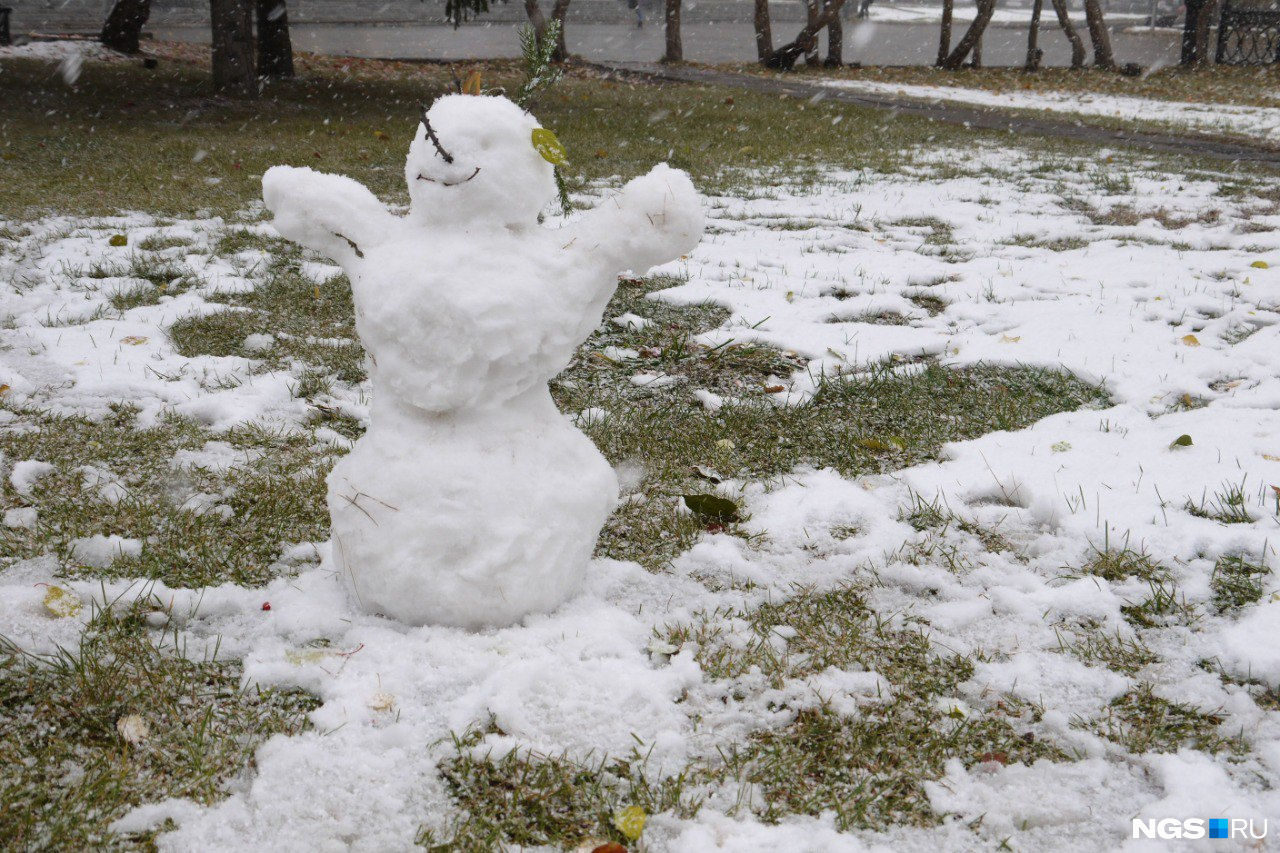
275, 49
1102, 56
234, 71
1195, 31
784, 58
835, 43
944, 33
1069, 30
541, 23
764, 31
971, 37
124, 24
671, 18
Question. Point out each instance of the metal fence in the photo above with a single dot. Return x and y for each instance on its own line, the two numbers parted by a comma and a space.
1249, 33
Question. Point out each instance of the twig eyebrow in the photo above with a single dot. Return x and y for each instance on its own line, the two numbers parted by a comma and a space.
435, 140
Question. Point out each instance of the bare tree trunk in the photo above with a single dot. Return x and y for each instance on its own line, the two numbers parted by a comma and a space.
1069, 30
944, 36
1203, 20
764, 32
976, 62
1190, 28
558, 11
835, 43
986, 8
785, 57
1102, 56
675, 50
275, 50
811, 58
124, 24
231, 23
540, 22
1034, 53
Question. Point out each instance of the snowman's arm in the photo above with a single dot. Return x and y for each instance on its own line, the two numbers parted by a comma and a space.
332, 214
654, 219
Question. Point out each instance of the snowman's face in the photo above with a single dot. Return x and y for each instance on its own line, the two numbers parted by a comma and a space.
484, 168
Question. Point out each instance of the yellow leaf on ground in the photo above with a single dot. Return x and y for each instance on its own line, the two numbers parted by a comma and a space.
1260, 265
630, 821
1191, 340
62, 603
133, 340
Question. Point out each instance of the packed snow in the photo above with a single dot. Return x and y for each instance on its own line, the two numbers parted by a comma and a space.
1179, 320
1202, 117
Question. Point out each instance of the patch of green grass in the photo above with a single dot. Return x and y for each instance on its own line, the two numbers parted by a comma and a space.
535, 800
868, 770
1057, 244
880, 421
1113, 651
1117, 565
1142, 722
1228, 505
1237, 581
160, 242
252, 510
70, 771
312, 323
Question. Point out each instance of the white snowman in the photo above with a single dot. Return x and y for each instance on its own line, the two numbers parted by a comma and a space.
471, 500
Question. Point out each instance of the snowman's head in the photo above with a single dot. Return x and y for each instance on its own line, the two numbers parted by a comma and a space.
473, 160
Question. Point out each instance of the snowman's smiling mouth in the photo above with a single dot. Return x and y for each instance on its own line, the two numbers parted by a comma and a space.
422, 177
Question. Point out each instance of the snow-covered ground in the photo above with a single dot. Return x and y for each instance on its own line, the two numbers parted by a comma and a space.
1178, 313
1258, 122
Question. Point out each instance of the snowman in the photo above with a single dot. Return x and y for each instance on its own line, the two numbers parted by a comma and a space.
471, 501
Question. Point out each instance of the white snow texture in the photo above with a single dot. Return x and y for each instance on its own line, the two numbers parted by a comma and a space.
471, 501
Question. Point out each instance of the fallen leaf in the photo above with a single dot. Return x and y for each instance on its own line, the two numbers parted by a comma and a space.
1270, 458
382, 701
472, 84
133, 728
133, 340
1060, 446
62, 603
999, 757
381, 134
1006, 339
1260, 265
708, 473
1191, 340
725, 444
712, 507
774, 389
3, 389
882, 445
630, 821
1181, 441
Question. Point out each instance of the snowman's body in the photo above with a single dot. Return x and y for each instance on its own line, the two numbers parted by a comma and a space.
471, 500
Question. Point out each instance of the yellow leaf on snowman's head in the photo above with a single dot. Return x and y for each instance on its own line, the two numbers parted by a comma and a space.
62, 603
630, 821
546, 144
472, 84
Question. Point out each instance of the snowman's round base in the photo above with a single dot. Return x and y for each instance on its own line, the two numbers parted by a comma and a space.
470, 520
